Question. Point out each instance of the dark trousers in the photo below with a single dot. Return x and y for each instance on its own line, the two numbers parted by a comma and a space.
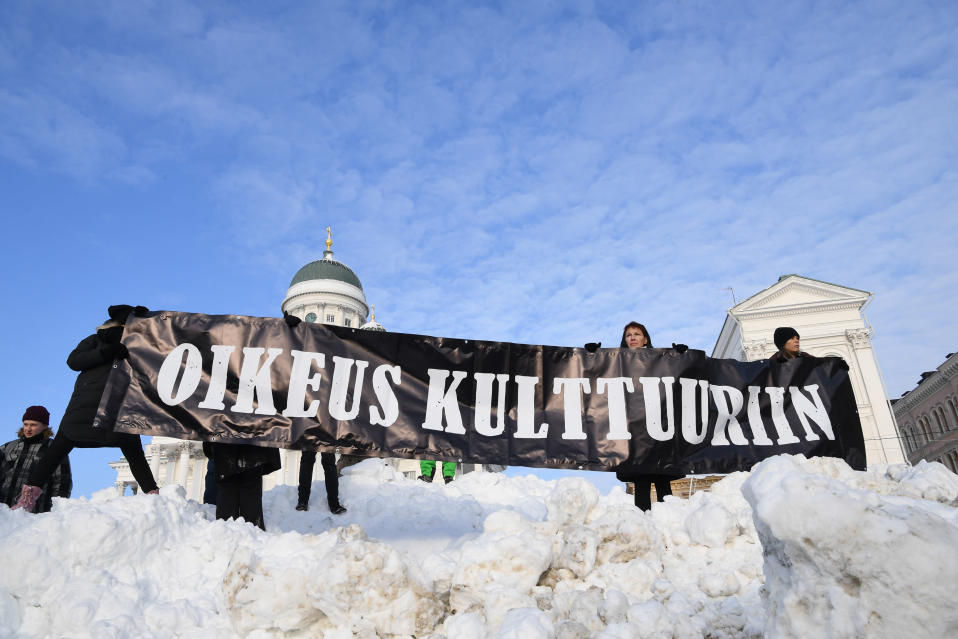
241, 496
209, 483
61, 446
643, 498
330, 475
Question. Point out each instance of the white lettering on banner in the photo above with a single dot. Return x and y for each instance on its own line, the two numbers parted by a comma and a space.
526, 410
755, 423
653, 407
689, 432
728, 403
816, 411
254, 380
776, 396
570, 388
443, 402
181, 372
339, 394
484, 384
618, 422
217, 389
301, 377
170, 370
384, 393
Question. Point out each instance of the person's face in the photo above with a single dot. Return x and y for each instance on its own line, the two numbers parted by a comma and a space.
791, 346
635, 338
32, 427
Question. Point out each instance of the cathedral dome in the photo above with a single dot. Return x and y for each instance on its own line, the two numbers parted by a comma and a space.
327, 291
327, 269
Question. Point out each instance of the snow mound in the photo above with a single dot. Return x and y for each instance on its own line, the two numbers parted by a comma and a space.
796, 548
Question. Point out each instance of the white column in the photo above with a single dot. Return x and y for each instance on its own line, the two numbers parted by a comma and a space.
155, 461
882, 430
199, 479
182, 471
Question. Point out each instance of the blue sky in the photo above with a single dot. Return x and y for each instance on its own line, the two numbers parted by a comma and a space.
536, 172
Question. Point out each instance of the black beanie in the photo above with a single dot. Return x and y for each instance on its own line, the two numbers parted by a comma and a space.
37, 414
783, 334
119, 312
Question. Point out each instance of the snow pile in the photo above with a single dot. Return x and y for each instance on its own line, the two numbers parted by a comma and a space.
796, 548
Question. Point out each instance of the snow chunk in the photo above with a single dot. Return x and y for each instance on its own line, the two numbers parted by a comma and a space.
842, 562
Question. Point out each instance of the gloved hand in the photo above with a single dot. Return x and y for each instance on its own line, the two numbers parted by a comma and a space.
141, 311
291, 320
114, 351
119, 312
593, 346
679, 348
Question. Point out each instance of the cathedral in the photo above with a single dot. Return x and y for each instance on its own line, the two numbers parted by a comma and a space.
325, 291
830, 321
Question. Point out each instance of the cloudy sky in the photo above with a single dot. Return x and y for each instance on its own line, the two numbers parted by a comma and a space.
536, 172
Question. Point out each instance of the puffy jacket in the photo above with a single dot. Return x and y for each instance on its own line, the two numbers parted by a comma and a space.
230, 460
17, 459
92, 359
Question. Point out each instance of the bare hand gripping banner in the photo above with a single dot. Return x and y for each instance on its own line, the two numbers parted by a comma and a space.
229, 378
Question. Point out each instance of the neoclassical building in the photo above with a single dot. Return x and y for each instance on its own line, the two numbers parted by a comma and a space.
830, 320
325, 291
928, 416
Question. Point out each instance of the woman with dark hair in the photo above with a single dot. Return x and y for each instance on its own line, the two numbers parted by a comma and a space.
635, 335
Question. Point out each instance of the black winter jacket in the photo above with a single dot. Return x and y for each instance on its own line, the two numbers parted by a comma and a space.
92, 358
17, 459
235, 460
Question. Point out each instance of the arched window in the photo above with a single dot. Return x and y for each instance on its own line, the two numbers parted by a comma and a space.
939, 423
925, 429
954, 411
950, 459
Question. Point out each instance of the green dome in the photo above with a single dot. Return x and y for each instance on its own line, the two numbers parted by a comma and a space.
326, 269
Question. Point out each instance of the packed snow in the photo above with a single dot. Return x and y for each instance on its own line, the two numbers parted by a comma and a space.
795, 548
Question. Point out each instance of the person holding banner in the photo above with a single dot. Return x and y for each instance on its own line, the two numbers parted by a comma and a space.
330, 476
635, 335
93, 358
787, 342
239, 470
428, 469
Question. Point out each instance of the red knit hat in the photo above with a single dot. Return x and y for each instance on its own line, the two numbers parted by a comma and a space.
37, 414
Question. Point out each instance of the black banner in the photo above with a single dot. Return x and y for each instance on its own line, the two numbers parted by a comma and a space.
237, 379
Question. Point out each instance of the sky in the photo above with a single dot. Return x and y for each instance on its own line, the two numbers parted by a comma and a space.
536, 172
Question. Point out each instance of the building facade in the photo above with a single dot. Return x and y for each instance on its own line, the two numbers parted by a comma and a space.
928, 416
830, 320
324, 291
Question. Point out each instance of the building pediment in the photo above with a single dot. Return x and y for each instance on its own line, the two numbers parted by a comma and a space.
795, 293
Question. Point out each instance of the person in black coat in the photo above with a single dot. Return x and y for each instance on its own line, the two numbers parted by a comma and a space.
330, 475
788, 344
635, 335
93, 358
238, 470
18, 457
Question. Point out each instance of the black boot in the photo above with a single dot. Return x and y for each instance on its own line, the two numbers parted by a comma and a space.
426, 478
448, 478
336, 508
302, 505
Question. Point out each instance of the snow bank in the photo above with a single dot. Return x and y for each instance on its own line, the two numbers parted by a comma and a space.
857, 554
796, 548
